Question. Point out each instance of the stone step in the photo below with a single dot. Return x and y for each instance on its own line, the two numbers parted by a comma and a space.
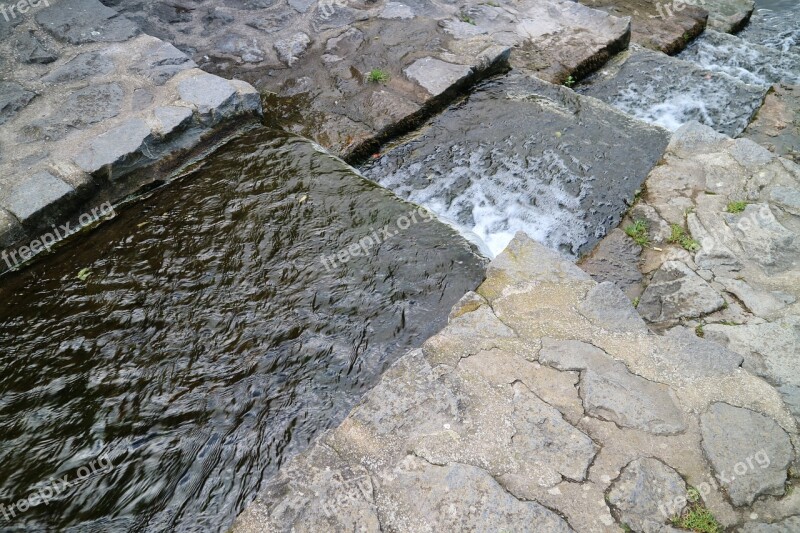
86, 100
779, 30
727, 16
657, 25
748, 62
776, 125
545, 405
670, 92
520, 154
317, 56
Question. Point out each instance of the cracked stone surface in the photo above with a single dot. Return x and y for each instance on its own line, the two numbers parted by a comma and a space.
73, 115
742, 281
750, 453
776, 125
506, 413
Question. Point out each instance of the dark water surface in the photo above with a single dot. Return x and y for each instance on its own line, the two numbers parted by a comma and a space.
209, 342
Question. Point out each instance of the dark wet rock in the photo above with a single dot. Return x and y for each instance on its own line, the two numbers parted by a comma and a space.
291, 48
481, 165
171, 13
35, 193
657, 25
645, 492
85, 21
750, 453
610, 392
616, 259
113, 148
670, 92
776, 125
82, 66
13, 97
675, 292
10, 228
31, 50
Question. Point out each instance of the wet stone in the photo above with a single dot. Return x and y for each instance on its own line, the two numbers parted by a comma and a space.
83, 66
10, 229
13, 97
34, 194
749, 452
564, 183
645, 494
85, 21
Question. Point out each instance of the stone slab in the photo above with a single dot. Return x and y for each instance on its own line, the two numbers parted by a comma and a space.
480, 165
776, 124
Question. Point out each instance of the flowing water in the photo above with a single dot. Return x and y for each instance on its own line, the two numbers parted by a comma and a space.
210, 340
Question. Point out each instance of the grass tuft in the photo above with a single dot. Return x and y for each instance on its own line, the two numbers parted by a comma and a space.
679, 236
377, 75
736, 207
638, 232
569, 82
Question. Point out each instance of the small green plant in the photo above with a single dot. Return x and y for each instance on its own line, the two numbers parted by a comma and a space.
466, 18
736, 207
699, 331
569, 82
84, 274
636, 302
626, 528
697, 518
638, 232
377, 75
493, 4
679, 236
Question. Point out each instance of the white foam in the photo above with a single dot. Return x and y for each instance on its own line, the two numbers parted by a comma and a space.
499, 195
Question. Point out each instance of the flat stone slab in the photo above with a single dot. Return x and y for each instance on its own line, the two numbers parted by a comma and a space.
488, 428
658, 25
670, 92
750, 453
675, 291
728, 16
776, 125
82, 101
481, 165
348, 75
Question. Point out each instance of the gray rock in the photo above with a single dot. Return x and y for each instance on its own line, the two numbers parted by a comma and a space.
301, 6
610, 392
615, 259
82, 66
237, 45
647, 494
207, 92
457, 498
396, 10
13, 97
676, 292
697, 357
113, 148
787, 198
32, 50
435, 75
291, 48
339, 17
161, 61
346, 44
760, 303
787, 525
608, 307
749, 452
85, 21
10, 231
171, 118
765, 240
728, 16
34, 194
